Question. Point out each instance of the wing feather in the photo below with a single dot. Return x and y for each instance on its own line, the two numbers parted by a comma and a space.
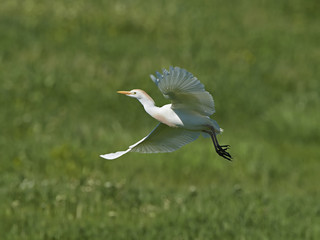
184, 90
161, 139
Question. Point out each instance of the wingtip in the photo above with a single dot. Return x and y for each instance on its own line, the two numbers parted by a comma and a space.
165, 72
159, 75
104, 157
153, 78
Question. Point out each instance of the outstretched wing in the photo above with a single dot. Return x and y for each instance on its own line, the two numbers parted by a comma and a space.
162, 139
184, 90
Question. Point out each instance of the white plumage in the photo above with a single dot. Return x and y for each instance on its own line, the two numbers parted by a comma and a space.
182, 121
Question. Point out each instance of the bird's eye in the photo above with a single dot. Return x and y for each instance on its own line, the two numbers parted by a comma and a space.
134, 92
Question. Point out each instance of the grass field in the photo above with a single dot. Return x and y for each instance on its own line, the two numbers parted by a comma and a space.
61, 65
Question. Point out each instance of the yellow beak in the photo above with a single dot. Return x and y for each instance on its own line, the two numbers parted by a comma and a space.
124, 92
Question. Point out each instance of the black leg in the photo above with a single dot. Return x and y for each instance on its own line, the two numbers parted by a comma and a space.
220, 149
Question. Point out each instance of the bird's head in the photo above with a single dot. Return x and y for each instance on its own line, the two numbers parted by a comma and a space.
136, 93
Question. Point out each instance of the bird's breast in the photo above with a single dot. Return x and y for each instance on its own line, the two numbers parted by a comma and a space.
165, 120
166, 116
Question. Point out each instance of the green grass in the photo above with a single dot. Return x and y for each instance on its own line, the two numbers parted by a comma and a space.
61, 65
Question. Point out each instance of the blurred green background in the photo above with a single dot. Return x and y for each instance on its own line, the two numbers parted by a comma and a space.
61, 65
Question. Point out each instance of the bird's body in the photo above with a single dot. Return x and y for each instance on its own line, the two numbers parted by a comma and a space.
165, 115
175, 118
182, 118
182, 121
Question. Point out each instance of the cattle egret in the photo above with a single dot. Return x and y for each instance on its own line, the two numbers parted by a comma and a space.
180, 122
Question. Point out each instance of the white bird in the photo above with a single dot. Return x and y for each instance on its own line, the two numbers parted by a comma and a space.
182, 121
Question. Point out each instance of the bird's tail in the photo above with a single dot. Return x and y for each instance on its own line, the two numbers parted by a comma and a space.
216, 127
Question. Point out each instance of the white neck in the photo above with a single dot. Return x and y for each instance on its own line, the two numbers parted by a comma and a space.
147, 101
149, 105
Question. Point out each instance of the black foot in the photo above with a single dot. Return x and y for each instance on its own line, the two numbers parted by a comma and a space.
225, 146
221, 150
